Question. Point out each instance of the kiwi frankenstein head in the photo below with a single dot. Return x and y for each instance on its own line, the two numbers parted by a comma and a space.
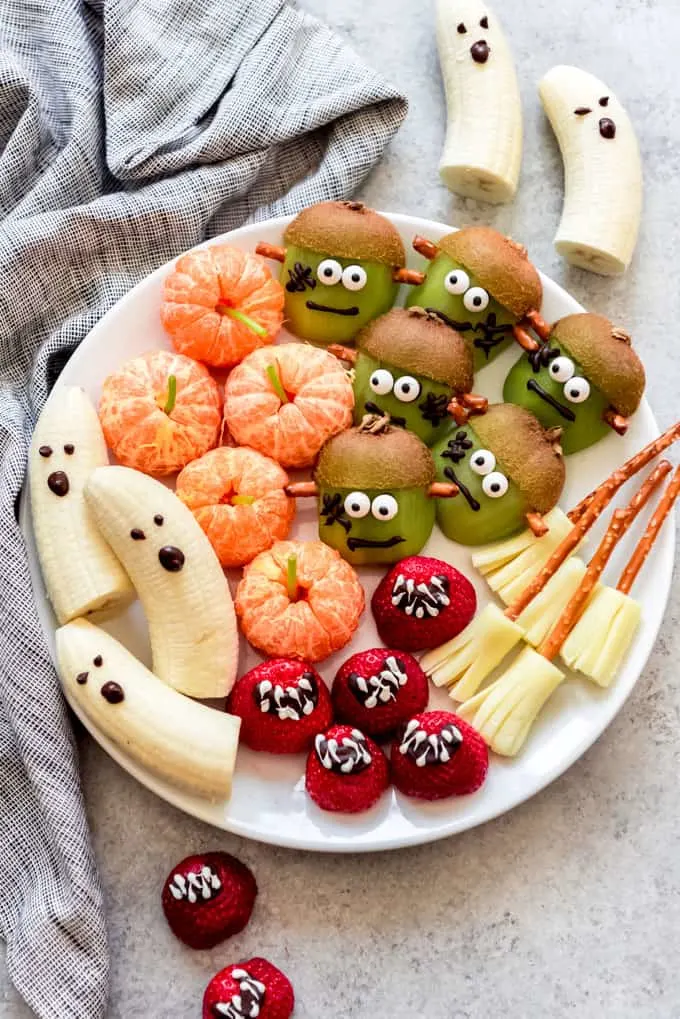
585, 378
374, 488
410, 364
483, 282
342, 266
509, 469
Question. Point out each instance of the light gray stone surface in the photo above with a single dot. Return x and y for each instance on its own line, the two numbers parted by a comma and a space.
569, 906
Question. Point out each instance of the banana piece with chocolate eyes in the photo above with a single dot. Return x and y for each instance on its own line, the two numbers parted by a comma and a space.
81, 574
483, 147
180, 583
602, 171
188, 744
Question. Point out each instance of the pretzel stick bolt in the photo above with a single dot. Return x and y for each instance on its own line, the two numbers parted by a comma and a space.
274, 251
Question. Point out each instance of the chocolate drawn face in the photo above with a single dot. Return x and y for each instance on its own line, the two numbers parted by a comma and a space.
58, 480
375, 526
606, 126
480, 49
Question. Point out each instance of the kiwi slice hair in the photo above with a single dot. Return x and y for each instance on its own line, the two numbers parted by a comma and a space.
375, 456
605, 355
418, 341
500, 264
347, 230
525, 452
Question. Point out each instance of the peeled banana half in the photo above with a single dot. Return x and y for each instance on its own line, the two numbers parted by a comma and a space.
185, 743
82, 575
180, 583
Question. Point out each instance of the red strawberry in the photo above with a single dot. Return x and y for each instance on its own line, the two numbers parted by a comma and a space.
247, 989
346, 771
421, 603
438, 755
282, 704
376, 691
208, 898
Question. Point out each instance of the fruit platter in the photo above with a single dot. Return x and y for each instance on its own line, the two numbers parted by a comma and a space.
319, 516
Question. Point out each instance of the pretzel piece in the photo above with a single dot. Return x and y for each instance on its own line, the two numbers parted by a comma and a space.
443, 490
537, 524
302, 489
274, 251
424, 247
617, 422
475, 403
619, 524
630, 467
343, 353
651, 532
410, 276
525, 341
538, 324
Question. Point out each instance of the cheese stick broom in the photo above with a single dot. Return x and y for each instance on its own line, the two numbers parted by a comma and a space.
508, 566
600, 640
504, 712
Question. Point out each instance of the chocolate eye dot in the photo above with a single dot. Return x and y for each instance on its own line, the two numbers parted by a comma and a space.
158, 520
484, 22
69, 449
98, 661
604, 101
45, 451
137, 535
81, 678
461, 29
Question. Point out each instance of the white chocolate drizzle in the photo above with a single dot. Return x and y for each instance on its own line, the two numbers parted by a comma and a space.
424, 599
430, 748
349, 756
379, 689
247, 1003
203, 885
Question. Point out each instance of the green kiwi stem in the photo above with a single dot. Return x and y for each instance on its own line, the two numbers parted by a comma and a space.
242, 500
276, 383
172, 394
248, 322
291, 578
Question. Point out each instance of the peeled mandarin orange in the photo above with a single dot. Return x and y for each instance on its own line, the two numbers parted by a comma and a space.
160, 411
238, 498
287, 400
219, 304
313, 621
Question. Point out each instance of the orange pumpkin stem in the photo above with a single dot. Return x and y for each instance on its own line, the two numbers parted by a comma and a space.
291, 578
242, 500
275, 380
171, 399
248, 322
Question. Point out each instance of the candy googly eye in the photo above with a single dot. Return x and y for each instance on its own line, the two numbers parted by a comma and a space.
357, 505
384, 507
483, 462
495, 485
561, 369
381, 382
577, 389
407, 389
476, 299
329, 272
354, 278
457, 282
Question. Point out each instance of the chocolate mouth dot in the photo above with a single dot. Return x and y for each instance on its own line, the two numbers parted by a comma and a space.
112, 692
479, 51
582, 111
137, 535
69, 449
57, 482
171, 558
98, 661
158, 520
81, 678
45, 451
607, 128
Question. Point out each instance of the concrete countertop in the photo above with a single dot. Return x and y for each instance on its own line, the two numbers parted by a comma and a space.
570, 905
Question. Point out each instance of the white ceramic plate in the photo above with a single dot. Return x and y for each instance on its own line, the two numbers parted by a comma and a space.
269, 802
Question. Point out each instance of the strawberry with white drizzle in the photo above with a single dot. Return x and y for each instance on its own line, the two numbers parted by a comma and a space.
437, 755
346, 771
378, 690
282, 703
254, 989
207, 898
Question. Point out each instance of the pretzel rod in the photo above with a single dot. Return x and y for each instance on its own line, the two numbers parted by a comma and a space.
619, 524
302, 489
631, 467
411, 276
652, 529
424, 247
599, 502
522, 337
274, 251
538, 324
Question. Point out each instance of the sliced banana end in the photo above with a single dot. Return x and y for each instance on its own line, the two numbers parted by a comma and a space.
505, 711
478, 182
602, 637
591, 259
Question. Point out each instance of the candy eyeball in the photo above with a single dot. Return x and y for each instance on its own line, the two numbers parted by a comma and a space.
476, 299
561, 369
457, 282
384, 507
357, 505
354, 278
495, 485
407, 389
483, 462
577, 389
329, 272
381, 382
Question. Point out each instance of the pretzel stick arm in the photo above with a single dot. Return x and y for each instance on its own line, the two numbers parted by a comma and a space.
620, 522
631, 467
652, 529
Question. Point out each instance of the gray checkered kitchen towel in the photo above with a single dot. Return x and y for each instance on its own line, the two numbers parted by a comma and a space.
129, 131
